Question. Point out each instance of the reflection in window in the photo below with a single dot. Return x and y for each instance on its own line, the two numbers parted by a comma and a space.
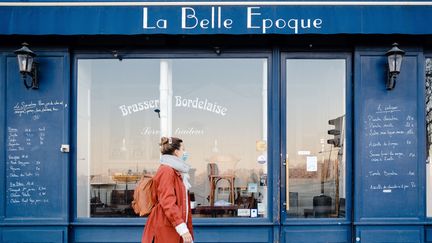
217, 106
428, 82
315, 159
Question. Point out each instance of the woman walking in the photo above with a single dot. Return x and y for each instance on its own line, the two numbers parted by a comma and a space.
170, 221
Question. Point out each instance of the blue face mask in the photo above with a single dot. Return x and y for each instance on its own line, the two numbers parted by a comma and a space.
185, 156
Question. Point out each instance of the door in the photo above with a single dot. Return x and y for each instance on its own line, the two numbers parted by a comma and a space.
316, 147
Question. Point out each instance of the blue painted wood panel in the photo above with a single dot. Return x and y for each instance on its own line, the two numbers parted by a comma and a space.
389, 138
115, 234
374, 234
234, 234
428, 234
34, 235
316, 234
2, 134
36, 172
217, 19
111, 234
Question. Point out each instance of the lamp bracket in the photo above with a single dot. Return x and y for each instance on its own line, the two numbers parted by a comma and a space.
34, 77
391, 80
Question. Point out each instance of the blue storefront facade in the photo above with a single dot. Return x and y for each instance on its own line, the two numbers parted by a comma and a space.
293, 132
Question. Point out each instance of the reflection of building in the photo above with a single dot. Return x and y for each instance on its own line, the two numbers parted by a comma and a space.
112, 195
301, 173
325, 169
101, 187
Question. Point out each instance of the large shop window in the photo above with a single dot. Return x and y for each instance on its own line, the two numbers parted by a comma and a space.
428, 82
316, 182
217, 106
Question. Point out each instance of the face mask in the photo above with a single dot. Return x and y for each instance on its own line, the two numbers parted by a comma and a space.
185, 156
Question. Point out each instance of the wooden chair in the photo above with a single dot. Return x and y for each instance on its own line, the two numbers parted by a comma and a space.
245, 201
214, 178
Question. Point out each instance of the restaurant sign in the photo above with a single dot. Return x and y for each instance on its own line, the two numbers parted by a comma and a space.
216, 19
192, 18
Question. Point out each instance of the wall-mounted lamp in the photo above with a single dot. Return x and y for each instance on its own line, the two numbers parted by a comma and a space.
27, 66
394, 58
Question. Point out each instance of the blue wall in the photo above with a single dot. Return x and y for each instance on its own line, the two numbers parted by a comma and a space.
35, 185
119, 18
390, 149
392, 212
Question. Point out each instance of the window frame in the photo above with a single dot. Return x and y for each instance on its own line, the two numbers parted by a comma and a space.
272, 131
349, 135
427, 55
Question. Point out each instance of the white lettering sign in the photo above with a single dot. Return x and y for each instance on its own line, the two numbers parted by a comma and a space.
265, 24
195, 103
160, 23
214, 18
140, 106
190, 20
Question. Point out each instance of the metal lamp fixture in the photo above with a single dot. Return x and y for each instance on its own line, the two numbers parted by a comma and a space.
394, 58
27, 66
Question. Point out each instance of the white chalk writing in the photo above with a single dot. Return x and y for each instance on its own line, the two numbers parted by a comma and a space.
22, 170
35, 108
390, 147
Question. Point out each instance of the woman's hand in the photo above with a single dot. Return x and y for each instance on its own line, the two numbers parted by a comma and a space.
187, 237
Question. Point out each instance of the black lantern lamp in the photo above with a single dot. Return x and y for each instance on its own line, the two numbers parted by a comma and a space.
394, 58
27, 66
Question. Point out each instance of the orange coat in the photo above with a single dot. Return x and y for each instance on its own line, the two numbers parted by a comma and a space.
170, 209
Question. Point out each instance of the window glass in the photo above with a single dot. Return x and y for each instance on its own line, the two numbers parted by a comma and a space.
217, 106
117, 132
315, 159
428, 81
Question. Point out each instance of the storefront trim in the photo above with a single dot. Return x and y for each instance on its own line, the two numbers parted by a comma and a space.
390, 222
2, 135
230, 18
196, 222
211, 3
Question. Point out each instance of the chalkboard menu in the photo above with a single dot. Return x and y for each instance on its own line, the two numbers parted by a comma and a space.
25, 162
387, 145
390, 147
35, 167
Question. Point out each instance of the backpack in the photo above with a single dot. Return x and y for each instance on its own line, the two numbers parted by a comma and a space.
142, 203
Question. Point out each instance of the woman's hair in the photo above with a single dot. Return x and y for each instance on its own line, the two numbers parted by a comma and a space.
169, 145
